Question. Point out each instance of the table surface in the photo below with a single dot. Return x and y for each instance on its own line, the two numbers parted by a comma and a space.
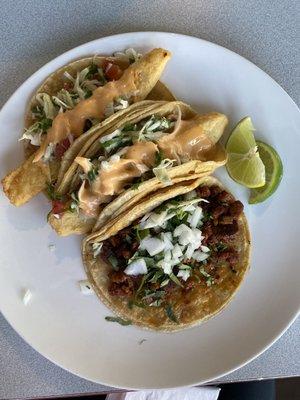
32, 33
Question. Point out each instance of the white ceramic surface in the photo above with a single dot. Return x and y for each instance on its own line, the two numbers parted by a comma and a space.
69, 328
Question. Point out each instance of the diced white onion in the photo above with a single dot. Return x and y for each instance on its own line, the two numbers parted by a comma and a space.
105, 165
184, 274
190, 250
168, 256
27, 297
190, 195
167, 241
152, 245
85, 287
196, 217
165, 266
97, 246
177, 252
114, 158
105, 138
51, 247
137, 267
205, 249
200, 256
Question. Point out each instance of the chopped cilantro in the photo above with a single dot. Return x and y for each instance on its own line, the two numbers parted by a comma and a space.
45, 124
170, 313
129, 128
114, 262
159, 156
88, 94
141, 234
93, 69
220, 246
51, 192
116, 143
121, 321
175, 279
132, 303
92, 174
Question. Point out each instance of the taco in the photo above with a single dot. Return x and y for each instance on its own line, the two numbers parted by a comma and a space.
173, 260
155, 146
69, 103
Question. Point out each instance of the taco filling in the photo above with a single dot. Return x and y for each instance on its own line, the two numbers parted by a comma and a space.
108, 89
72, 101
75, 89
141, 151
186, 248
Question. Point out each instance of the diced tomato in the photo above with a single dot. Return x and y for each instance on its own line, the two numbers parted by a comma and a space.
61, 148
58, 206
112, 71
68, 85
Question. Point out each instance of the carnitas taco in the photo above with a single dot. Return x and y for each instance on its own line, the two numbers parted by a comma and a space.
69, 103
173, 260
155, 146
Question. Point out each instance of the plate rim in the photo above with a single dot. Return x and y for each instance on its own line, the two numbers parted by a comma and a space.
168, 34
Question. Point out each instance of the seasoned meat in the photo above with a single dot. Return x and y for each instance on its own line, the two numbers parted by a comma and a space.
189, 285
134, 245
226, 220
218, 211
203, 192
229, 255
224, 231
106, 249
236, 209
215, 190
120, 284
207, 231
225, 197
115, 240
124, 251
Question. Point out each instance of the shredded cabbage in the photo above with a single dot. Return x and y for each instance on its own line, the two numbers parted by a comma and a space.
129, 55
34, 134
49, 152
97, 246
161, 172
46, 103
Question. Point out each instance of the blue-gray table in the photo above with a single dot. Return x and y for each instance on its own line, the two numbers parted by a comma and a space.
34, 32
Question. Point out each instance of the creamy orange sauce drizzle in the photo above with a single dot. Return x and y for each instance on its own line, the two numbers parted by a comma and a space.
189, 141
73, 121
137, 159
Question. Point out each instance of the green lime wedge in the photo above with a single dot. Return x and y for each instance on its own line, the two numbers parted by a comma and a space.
274, 172
244, 164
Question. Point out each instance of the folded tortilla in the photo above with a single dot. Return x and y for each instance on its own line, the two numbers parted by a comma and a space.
208, 126
145, 72
195, 306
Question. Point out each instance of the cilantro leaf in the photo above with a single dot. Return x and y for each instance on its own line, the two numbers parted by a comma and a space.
121, 321
51, 192
170, 313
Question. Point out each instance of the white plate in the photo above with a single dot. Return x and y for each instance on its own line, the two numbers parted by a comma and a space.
69, 328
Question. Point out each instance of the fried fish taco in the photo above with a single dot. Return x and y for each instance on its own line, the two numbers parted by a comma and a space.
69, 103
173, 260
160, 144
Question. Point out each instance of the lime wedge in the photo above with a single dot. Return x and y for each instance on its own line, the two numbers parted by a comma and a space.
244, 164
274, 171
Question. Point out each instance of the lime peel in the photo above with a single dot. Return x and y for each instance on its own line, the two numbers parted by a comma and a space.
244, 164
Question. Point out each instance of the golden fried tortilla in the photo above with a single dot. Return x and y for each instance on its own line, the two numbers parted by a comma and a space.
146, 71
196, 305
26, 181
